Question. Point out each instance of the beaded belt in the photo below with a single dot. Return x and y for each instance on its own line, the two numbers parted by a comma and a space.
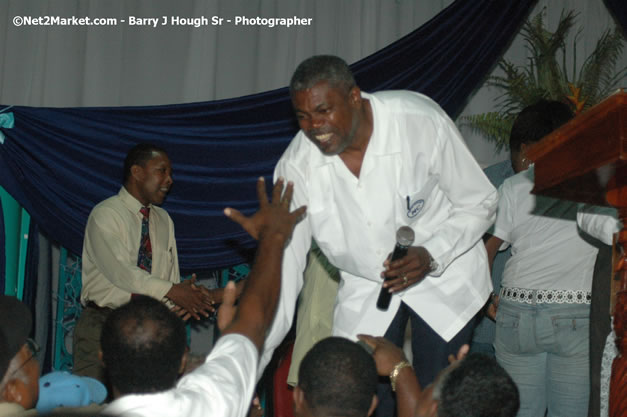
523, 295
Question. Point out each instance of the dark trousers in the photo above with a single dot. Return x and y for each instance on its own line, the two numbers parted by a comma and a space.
430, 353
86, 343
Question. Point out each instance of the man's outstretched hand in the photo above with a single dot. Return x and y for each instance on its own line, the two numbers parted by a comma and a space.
272, 218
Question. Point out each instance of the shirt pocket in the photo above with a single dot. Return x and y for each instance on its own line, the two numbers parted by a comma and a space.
413, 204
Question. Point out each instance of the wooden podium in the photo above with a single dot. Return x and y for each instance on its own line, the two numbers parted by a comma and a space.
586, 161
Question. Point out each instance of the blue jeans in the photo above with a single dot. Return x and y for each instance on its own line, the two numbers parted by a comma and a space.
430, 353
545, 349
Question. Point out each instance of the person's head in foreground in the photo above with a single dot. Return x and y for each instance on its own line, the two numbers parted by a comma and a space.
337, 377
143, 347
532, 124
19, 368
476, 386
328, 104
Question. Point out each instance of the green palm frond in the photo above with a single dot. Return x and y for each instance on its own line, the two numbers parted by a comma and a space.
546, 76
495, 126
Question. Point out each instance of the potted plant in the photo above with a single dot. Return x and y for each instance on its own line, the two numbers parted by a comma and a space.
546, 75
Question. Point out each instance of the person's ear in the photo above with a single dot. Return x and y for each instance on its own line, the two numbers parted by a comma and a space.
354, 96
137, 172
13, 391
373, 404
4, 394
100, 357
433, 409
184, 361
299, 400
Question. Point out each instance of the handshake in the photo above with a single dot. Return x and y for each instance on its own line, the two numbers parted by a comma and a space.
273, 220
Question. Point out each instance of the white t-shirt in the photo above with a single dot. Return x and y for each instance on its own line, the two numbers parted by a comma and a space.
222, 387
547, 249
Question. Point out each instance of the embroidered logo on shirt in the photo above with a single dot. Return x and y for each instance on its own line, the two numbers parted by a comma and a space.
413, 209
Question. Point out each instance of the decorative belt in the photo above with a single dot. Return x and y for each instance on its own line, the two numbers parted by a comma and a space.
523, 295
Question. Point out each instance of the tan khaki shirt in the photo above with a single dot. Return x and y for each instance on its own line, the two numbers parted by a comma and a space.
110, 273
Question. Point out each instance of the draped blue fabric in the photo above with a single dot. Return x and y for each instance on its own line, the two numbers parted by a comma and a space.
618, 8
59, 162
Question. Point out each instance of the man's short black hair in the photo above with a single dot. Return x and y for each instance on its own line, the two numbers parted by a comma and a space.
338, 377
139, 155
478, 387
536, 121
143, 344
319, 68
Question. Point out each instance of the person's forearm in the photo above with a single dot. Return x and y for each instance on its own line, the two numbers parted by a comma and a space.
407, 392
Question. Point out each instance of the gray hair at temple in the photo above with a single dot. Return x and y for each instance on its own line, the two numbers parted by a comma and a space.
319, 68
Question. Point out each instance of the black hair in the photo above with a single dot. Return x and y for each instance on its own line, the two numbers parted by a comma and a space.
319, 68
143, 344
478, 387
338, 377
536, 121
139, 155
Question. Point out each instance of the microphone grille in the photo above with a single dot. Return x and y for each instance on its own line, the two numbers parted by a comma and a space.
405, 236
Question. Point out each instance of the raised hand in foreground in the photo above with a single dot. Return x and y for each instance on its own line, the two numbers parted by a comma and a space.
272, 225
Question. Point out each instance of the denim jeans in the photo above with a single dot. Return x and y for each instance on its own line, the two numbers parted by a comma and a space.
545, 349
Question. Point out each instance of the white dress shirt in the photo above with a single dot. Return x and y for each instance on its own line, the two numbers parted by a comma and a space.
547, 251
417, 171
110, 273
222, 387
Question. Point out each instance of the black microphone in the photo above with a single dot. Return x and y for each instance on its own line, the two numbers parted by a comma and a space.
404, 239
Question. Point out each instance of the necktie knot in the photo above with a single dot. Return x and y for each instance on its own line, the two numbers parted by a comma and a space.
145, 211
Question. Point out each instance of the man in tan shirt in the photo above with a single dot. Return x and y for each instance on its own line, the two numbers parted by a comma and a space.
111, 272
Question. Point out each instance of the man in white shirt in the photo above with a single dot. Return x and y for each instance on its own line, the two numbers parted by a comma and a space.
130, 248
144, 347
365, 165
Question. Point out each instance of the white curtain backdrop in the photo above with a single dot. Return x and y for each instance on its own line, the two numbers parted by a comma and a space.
126, 65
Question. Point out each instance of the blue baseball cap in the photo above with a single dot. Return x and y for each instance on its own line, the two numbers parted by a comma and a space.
62, 389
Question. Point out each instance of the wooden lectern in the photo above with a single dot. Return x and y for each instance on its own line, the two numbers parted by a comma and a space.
586, 161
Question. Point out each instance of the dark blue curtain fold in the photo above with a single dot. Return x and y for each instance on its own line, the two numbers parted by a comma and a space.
59, 162
618, 9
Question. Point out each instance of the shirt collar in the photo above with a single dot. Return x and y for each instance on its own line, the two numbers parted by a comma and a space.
130, 202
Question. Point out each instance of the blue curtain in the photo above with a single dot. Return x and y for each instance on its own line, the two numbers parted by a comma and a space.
618, 8
59, 162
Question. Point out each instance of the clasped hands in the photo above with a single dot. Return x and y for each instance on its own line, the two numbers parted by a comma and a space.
192, 300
